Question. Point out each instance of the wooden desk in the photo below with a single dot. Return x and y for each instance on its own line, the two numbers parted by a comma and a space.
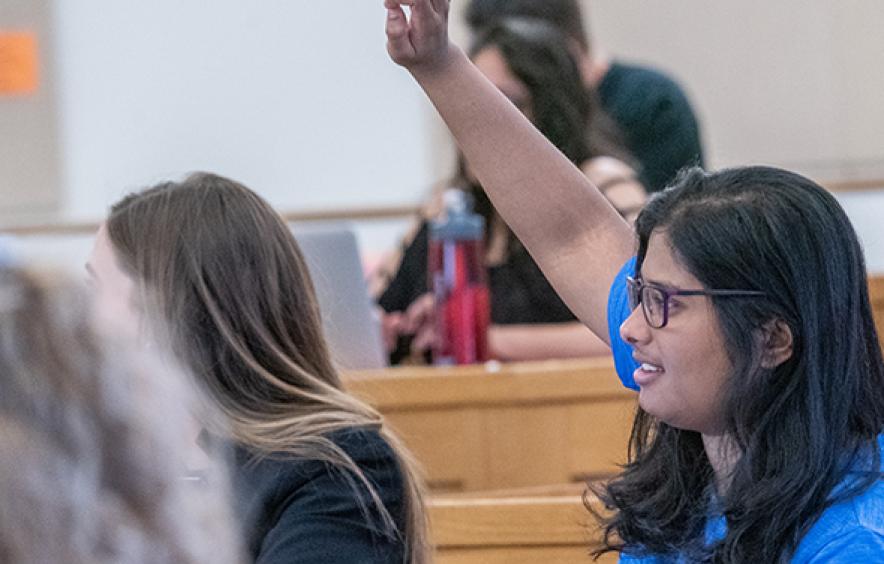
496, 426
514, 530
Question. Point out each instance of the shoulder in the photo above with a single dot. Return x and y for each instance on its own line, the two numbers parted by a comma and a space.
640, 76
854, 544
848, 531
634, 93
322, 512
367, 448
599, 169
618, 182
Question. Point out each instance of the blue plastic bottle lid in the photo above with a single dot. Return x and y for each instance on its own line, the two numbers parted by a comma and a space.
460, 222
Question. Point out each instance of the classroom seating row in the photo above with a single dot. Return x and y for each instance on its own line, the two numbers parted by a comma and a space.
499, 426
552, 528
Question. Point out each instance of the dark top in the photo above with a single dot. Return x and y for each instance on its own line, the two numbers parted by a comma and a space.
305, 511
520, 293
656, 120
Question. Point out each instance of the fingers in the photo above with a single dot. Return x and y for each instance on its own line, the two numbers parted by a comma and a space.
398, 43
391, 327
419, 314
424, 340
424, 15
422, 317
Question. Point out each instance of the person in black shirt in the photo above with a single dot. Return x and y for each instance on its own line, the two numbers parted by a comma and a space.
652, 112
529, 62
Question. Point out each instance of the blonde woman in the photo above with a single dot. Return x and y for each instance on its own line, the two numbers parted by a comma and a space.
93, 465
318, 477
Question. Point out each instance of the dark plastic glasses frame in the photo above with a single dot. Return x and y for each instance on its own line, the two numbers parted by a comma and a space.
636, 288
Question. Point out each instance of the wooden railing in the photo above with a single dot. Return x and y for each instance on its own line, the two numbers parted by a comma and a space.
876, 297
506, 426
513, 530
493, 427
342, 214
357, 213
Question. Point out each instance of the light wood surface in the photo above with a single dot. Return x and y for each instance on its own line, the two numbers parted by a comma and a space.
61, 227
491, 427
876, 297
513, 530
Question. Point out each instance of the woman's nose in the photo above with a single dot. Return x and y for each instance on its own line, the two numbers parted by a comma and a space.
635, 330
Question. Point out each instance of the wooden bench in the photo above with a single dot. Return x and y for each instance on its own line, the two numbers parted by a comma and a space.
513, 530
506, 426
876, 297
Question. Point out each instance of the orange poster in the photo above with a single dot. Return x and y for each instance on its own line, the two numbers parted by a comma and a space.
18, 63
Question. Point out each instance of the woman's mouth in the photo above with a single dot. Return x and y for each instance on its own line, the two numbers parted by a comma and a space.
647, 373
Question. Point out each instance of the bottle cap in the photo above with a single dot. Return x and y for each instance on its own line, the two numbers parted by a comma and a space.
460, 222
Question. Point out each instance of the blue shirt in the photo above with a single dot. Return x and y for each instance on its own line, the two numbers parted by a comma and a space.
851, 531
618, 311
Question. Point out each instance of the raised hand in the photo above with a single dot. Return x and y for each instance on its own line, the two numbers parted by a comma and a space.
419, 42
575, 235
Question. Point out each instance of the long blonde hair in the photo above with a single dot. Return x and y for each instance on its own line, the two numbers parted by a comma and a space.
227, 277
92, 458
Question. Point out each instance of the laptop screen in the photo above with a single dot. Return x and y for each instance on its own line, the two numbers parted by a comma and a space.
351, 324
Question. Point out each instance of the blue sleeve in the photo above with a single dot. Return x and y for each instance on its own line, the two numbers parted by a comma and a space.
618, 311
857, 545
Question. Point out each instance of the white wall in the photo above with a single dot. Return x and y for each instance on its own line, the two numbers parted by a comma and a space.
788, 82
298, 100
791, 83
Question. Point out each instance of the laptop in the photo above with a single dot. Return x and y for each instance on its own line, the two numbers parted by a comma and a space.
351, 325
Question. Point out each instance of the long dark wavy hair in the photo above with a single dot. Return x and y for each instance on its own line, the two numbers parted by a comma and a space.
800, 427
562, 108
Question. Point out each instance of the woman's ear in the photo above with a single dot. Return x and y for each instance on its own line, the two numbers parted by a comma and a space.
776, 342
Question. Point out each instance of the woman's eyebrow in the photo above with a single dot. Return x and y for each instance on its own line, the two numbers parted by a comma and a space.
658, 282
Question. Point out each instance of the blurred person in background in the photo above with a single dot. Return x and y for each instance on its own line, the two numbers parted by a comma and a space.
650, 109
530, 62
94, 466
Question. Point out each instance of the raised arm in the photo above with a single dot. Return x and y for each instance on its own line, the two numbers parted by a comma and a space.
577, 238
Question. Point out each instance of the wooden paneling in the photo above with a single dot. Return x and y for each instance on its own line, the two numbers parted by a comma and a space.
876, 296
343, 214
498, 426
433, 435
512, 530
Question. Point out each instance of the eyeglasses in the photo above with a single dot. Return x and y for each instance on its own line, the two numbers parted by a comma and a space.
654, 299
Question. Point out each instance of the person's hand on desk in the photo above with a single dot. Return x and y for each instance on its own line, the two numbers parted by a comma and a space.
391, 327
420, 321
417, 324
506, 342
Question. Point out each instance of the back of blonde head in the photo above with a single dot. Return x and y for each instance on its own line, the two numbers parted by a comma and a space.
223, 272
92, 454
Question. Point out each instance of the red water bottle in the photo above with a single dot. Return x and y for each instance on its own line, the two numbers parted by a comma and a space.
458, 282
